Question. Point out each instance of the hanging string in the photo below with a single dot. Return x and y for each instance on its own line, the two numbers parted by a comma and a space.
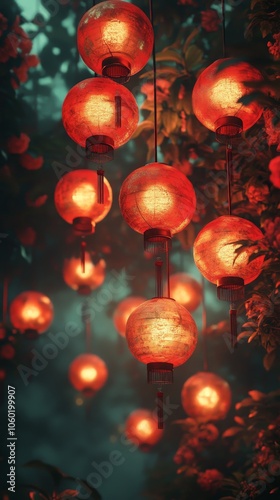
223, 28
100, 186
154, 80
83, 255
203, 328
167, 257
87, 327
160, 408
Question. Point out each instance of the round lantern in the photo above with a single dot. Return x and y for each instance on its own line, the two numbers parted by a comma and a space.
124, 310
76, 199
206, 396
162, 334
83, 279
217, 96
141, 429
158, 201
100, 115
88, 373
185, 290
31, 312
115, 39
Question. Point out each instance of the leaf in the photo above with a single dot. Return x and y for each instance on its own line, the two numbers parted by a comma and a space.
64, 495
170, 121
193, 57
170, 55
269, 359
256, 395
232, 431
163, 72
42, 493
94, 494
254, 335
55, 472
239, 420
144, 125
189, 39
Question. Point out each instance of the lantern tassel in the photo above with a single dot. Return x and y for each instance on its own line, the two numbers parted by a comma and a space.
160, 409
83, 255
233, 325
100, 176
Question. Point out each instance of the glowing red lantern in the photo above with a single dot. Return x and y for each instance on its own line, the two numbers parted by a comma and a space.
141, 429
115, 39
31, 312
206, 396
162, 334
86, 279
185, 290
217, 97
100, 115
124, 310
76, 199
88, 373
158, 201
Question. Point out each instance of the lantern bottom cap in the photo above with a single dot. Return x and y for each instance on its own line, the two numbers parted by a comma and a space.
230, 288
228, 128
83, 225
160, 373
100, 148
31, 333
157, 240
84, 290
116, 68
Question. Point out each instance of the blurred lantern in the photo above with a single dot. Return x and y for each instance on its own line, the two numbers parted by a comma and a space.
88, 373
75, 200
274, 167
185, 290
115, 39
158, 201
222, 257
123, 311
163, 335
206, 396
141, 428
221, 99
100, 115
83, 280
31, 313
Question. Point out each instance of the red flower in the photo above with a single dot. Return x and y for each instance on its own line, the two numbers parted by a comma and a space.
25, 44
21, 73
18, 145
210, 20
210, 480
257, 193
38, 202
3, 24
274, 48
32, 60
9, 48
30, 162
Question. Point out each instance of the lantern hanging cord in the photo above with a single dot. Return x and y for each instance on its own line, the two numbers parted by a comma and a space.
167, 257
203, 328
158, 268
87, 328
229, 174
223, 28
154, 80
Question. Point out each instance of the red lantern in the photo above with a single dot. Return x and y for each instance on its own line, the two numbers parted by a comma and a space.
217, 97
185, 290
162, 334
83, 280
124, 310
88, 373
100, 115
158, 201
206, 396
274, 167
75, 199
141, 429
31, 312
115, 39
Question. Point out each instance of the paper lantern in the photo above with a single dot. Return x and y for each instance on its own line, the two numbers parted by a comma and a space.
185, 290
83, 280
141, 429
100, 115
88, 373
206, 396
158, 201
31, 312
162, 334
124, 310
217, 95
115, 39
76, 201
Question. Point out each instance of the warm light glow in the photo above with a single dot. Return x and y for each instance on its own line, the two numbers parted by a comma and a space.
226, 93
207, 397
88, 373
87, 272
115, 33
156, 198
84, 196
30, 311
101, 108
92, 278
123, 310
145, 427
141, 428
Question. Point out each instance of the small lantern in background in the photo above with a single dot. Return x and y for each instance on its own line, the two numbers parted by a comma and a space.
84, 280
141, 429
124, 310
88, 373
185, 290
31, 313
115, 39
206, 396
